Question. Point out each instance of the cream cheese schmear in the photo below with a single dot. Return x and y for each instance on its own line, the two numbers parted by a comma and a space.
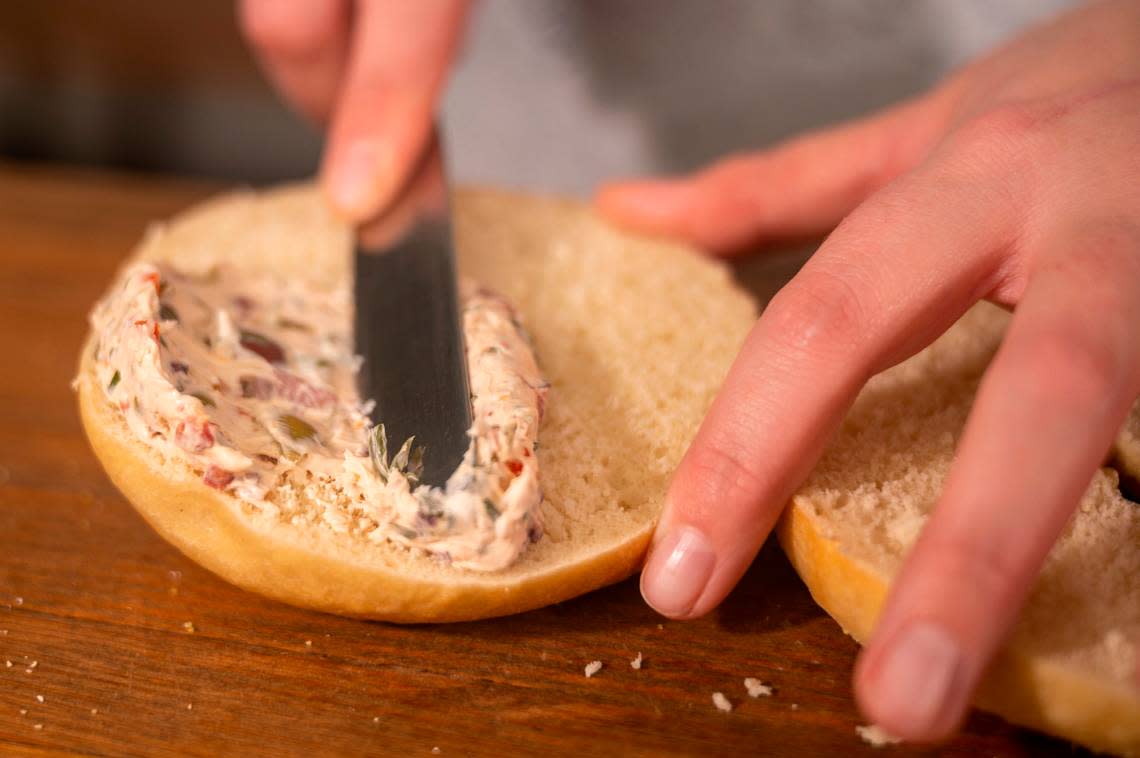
252, 382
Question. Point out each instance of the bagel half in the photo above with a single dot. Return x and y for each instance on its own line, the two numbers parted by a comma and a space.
634, 335
1070, 667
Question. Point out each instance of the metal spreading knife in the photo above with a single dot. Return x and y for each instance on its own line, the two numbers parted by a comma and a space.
407, 322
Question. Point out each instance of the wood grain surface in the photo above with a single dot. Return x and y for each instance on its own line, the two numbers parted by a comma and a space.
120, 646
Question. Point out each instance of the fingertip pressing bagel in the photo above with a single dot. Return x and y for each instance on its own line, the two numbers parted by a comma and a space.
634, 335
1070, 666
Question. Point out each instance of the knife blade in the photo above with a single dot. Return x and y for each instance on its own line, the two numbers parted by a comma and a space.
407, 322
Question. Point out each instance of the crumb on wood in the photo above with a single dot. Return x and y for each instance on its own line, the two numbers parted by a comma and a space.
189, 706
189, 627
23, 711
39, 698
435, 751
38, 727
756, 688
636, 662
375, 719
795, 706
875, 736
18, 601
721, 702
7, 664
3, 632
592, 668
94, 711
308, 643
660, 626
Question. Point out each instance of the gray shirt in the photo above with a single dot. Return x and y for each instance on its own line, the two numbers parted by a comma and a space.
554, 95
561, 94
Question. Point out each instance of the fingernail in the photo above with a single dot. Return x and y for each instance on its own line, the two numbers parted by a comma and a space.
355, 179
917, 675
677, 571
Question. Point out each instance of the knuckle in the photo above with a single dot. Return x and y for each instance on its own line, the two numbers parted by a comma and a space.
999, 127
290, 28
819, 314
716, 475
1004, 136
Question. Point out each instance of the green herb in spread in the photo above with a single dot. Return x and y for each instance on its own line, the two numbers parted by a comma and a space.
408, 460
405, 532
204, 399
415, 465
400, 459
488, 506
288, 323
378, 451
166, 313
297, 428
115, 379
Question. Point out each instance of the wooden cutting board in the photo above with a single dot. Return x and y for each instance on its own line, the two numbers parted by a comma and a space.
120, 646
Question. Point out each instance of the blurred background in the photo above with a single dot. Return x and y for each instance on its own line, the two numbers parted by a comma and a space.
553, 94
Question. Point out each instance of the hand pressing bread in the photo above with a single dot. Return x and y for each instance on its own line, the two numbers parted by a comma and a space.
1068, 666
1016, 181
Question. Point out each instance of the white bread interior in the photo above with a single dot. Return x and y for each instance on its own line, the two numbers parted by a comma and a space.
1070, 667
635, 336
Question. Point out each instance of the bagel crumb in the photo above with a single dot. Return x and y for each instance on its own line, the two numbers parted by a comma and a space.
592, 668
375, 719
721, 702
39, 698
38, 727
756, 689
189, 706
636, 662
7, 664
18, 601
188, 626
94, 711
23, 711
875, 736
308, 643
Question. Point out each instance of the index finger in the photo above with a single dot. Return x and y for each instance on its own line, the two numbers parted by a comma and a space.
384, 113
893, 276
